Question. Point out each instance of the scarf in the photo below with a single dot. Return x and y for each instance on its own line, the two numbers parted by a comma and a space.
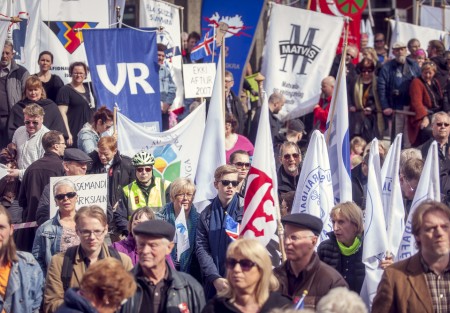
347, 251
218, 239
360, 99
191, 221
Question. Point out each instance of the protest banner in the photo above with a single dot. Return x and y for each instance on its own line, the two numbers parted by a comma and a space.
242, 18
435, 17
91, 189
176, 150
156, 13
298, 54
199, 79
129, 79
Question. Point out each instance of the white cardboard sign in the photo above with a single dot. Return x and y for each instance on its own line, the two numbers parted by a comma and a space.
199, 79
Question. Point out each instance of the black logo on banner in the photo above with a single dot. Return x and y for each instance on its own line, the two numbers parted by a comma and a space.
299, 53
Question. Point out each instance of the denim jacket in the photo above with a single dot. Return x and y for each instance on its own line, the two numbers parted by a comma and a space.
167, 86
47, 242
88, 138
25, 288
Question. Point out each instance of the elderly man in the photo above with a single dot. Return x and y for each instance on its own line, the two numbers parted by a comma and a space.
215, 221
12, 85
28, 139
233, 104
421, 282
160, 287
276, 103
393, 87
303, 274
75, 162
34, 180
289, 171
440, 128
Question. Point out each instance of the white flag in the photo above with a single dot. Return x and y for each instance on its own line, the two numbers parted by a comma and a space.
375, 237
435, 17
261, 197
213, 145
314, 194
3, 32
369, 32
157, 13
427, 189
181, 234
176, 150
337, 137
298, 54
391, 195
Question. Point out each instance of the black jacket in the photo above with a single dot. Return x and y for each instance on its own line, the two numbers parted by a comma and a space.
275, 126
222, 305
75, 303
359, 180
238, 112
286, 182
52, 118
351, 268
182, 288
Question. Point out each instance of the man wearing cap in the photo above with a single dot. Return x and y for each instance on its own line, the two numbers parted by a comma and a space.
36, 176
146, 190
393, 86
161, 288
303, 274
75, 162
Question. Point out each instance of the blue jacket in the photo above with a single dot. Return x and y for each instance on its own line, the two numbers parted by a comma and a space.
75, 303
25, 288
88, 138
393, 83
167, 86
47, 242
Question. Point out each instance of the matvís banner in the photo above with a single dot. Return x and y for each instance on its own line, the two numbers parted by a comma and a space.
128, 77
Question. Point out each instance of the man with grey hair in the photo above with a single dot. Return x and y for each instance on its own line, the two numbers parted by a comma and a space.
393, 84
12, 85
440, 130
276, 103
233, 104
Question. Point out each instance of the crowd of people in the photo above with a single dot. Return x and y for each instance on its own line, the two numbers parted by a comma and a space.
127, 258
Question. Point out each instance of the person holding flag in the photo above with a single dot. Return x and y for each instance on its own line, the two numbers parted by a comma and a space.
213, 237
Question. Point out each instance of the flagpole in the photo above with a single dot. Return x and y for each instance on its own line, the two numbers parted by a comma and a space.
338, 82
115, 119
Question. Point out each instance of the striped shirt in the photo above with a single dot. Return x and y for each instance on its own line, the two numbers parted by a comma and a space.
439, 286
29, 148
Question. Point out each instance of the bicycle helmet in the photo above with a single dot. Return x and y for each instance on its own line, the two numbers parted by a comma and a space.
143, 158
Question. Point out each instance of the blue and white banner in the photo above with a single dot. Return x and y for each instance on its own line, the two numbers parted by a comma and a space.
375, 238
156, 13
181, 234
337, 137
176, 150
128, 77
213, 145
314, 194
242, 18
391, 196
428, 189
298, 54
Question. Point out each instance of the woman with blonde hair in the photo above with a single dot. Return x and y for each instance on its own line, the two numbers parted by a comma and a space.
251, 283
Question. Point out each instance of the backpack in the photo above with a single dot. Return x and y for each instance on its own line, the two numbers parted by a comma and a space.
67, 266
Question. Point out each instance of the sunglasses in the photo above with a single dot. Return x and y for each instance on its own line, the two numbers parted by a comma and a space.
245, 264
62, 196
233, 183
443, 124
366, 71
242, 165
147, 169
32, 122
379, 40
288, 156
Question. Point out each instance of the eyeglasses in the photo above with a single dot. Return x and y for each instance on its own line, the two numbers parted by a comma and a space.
379, 40
87, 233
228, 81
245, 264
78, 74
35, 123
443, 124
295, 238
288, 156
147, 169
184, 195
233, 183
61, 143
242, 165
62, 196
365, 70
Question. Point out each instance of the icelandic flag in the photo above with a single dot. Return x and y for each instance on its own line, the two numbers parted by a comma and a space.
231, 227
337, 137
213, 146
127, 77
427, 189
181, 234
314, 194
375, 237
391, 196
205, 47
261, 197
